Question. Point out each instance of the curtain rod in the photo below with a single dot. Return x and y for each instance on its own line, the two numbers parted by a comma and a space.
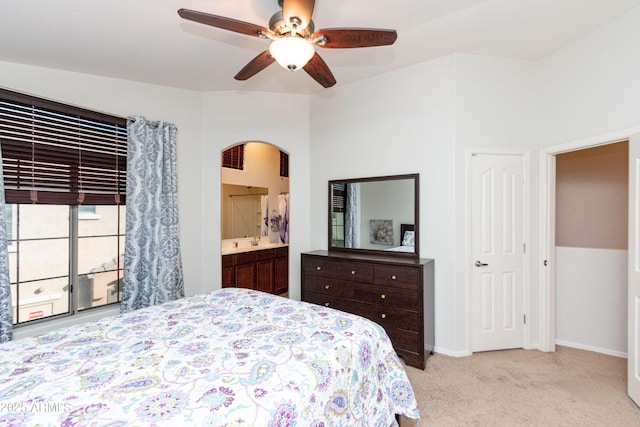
149, 122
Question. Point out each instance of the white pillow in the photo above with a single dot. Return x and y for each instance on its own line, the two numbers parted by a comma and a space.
408, 239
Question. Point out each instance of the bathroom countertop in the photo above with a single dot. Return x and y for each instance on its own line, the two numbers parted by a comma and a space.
261, 246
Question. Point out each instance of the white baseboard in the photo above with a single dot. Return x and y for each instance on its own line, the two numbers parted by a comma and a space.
447, 352
591, 348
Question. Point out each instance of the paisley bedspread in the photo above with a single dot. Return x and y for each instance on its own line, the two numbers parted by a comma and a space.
232, 357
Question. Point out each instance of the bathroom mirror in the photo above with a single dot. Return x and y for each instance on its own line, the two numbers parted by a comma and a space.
242, 210
375, 215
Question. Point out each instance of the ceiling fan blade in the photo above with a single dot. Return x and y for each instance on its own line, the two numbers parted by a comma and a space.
300, 9
224, 23
318, 69
355, 37
256, 65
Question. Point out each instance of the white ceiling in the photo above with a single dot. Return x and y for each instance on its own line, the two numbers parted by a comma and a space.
146, 40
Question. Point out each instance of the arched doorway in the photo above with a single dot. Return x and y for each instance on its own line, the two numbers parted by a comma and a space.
254, 209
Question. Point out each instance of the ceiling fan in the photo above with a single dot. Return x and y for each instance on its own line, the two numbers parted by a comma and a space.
293, 38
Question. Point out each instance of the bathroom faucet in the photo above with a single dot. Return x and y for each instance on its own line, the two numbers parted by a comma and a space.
254, 242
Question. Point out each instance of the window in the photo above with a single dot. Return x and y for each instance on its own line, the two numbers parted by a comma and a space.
87, 212
284, 164
233, 157
60, 164
338, 203
87, 209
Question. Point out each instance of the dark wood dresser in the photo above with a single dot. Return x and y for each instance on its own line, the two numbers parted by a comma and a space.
397, 293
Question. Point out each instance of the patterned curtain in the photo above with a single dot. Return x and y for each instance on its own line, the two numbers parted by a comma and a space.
283, 205
6, 318
152, 262
351, 224
264, 209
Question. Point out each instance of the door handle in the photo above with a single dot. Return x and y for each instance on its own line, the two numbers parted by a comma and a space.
480, 264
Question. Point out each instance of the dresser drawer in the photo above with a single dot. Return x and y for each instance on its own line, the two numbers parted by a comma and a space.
330, 301
328, 286
403, 339
388, 316
396, 276
386, 296
356, 271
391, 292
318, 266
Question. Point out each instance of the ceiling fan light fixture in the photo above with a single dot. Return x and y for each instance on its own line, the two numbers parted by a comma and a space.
291, 52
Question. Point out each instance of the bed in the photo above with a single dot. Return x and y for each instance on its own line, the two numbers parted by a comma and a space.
407, 242
229, 357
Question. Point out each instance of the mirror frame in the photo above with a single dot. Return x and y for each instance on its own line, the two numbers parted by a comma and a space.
416, 215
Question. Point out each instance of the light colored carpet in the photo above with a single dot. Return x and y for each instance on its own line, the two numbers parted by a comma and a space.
524, 388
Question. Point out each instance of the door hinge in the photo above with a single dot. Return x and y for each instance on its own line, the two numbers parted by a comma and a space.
524, 248
524, 318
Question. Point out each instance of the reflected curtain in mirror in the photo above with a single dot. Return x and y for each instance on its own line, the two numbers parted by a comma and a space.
351, 223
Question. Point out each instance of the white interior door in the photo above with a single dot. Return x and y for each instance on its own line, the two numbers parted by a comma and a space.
498, 251
633, 351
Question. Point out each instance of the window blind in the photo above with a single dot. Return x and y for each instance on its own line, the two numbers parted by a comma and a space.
284, 164
338, 197
233, 157
54, 153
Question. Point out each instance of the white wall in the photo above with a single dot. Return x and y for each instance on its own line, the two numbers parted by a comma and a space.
385, 201
435, 111
588, 90
591, 299
593, 85
207, 123
125, 98
442, 109
496, 108
229, 118
355, 132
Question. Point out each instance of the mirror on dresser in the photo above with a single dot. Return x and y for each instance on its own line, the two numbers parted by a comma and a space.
372, 267
375, 215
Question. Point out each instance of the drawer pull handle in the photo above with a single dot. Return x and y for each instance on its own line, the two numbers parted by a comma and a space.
383, 296
353, 272
318, 268
384, 316
38, 291
327, 286
393, 277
